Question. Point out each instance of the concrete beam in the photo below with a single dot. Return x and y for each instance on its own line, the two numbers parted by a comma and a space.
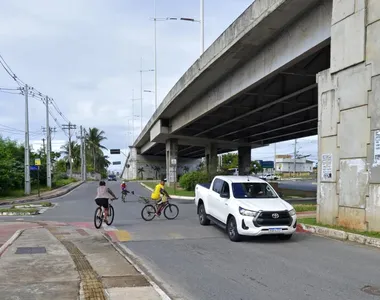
289, 48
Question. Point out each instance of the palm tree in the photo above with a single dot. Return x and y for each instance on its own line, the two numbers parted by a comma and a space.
94, 137
75, 154
141, 171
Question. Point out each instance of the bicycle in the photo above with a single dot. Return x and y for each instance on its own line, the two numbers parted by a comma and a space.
99, 215
151, 210
124, 195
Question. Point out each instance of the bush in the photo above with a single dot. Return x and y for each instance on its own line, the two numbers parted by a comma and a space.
63, 182
189, 180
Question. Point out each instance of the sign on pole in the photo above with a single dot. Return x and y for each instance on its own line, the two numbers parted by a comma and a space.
37, 161
115, 151
33, 168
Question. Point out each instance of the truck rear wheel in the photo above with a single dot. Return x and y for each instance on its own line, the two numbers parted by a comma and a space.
203, 220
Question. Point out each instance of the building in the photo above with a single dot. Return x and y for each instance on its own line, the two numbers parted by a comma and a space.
285, 164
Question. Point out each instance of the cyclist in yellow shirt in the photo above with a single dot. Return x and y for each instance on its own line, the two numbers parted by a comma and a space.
160, 195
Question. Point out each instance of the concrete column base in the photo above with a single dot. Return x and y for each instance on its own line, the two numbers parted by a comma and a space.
171, 161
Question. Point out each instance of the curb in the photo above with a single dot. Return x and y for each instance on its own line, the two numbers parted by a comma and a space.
14, 237
173, 196
341, 235
126, 254
58, 194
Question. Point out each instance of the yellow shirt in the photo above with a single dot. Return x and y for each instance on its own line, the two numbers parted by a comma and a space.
156, 195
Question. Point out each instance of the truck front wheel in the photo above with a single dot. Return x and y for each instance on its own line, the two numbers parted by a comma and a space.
232, 231
203, 220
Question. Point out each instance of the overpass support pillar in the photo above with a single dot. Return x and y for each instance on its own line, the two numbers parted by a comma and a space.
211, 155
171, 161
244, 154
349, 120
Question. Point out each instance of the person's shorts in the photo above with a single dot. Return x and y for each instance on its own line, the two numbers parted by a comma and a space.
102, 202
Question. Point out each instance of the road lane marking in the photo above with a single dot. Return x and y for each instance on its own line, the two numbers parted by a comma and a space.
176, 235
123, 235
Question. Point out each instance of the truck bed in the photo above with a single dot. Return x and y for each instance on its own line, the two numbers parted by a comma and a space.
205, 185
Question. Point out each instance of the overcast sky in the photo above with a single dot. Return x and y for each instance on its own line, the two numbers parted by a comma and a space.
86, 54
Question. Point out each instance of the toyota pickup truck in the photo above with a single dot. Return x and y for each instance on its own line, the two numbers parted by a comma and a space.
245, 206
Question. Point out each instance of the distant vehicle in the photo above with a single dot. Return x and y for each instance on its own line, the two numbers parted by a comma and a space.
233, 171
269, 177
245, 205
112, 177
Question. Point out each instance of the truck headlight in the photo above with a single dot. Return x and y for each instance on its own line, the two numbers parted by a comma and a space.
292, 212
246, 212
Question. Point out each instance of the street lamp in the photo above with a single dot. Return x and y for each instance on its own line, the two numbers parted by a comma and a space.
201, 21
141, 93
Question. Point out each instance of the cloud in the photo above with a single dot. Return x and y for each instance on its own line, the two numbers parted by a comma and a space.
87, 54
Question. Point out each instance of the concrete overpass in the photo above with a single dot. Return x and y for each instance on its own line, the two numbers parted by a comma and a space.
257, 85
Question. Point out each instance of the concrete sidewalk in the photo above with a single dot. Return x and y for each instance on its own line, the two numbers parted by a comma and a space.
66, 262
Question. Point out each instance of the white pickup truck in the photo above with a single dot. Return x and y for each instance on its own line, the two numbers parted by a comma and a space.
245, 205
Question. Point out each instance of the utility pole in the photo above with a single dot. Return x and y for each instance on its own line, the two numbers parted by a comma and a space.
84, 156
69, 127
43, 146
81, 152
48, 142
295, 157
26, 155
133, 114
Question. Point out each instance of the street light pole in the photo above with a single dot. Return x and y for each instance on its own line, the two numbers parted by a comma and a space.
155, 56
141, 92
202, 27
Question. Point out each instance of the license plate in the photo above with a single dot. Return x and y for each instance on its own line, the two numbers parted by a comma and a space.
274, 229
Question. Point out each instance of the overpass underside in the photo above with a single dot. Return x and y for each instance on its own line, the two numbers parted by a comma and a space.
283, 107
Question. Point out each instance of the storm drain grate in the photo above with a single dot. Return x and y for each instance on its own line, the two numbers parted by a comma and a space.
372, 290
92, 286
30, 250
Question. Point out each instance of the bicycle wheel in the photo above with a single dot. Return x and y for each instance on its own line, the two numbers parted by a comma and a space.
171, 211
148, 212
98, 220
111, 214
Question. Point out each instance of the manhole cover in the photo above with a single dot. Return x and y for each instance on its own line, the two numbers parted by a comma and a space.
372, 290
30, 250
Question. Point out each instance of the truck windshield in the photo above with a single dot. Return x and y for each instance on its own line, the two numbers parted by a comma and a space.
252, 190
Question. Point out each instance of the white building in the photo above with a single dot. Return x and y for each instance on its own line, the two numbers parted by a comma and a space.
285, 164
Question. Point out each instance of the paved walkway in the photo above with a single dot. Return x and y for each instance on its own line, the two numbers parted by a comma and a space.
60, 261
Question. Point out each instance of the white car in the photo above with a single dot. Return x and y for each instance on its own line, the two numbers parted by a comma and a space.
245, 205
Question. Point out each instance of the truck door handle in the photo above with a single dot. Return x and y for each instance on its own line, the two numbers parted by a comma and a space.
225, 203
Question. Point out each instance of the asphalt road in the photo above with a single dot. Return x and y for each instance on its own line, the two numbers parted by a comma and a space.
196, 263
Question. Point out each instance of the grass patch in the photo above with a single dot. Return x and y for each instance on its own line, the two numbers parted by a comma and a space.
19, 210
313, 221
20, 193
178, 192
305, 207
62, 182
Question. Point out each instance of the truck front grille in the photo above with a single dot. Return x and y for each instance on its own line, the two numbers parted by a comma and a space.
273, 218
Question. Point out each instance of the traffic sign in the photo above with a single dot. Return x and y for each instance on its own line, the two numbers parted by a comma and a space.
115, 151
37, 161
33, 168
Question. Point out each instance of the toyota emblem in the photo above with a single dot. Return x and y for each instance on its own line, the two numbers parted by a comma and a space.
275, 216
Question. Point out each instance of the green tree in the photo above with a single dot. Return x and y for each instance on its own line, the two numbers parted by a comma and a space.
75, 154
256, 167
94, 138
230, 160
